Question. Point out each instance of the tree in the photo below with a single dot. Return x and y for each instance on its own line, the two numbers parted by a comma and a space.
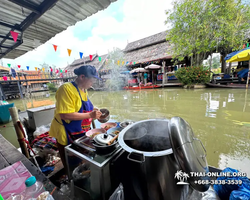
201, 27
215, 61
116, 58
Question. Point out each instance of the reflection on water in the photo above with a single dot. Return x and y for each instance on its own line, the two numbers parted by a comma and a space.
219, 118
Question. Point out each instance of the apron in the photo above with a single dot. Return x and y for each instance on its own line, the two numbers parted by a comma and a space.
77, 128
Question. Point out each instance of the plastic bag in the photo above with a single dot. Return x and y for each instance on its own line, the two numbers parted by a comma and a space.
40, 130
118, 193
224, 190
45, 196
240, 195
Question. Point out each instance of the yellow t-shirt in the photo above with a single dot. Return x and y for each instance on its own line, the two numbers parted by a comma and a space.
67, 101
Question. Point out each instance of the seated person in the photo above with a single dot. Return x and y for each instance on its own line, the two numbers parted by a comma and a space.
242, 75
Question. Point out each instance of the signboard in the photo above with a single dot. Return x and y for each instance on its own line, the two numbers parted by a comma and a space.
170, 77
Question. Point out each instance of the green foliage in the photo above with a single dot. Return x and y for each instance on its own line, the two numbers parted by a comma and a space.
52, 87
200, 27
193, 75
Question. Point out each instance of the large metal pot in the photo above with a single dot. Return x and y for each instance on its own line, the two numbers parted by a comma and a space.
151, 159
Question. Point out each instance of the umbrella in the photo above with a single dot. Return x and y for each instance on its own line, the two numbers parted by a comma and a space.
243, 55
229, 56
153, 66
138, 70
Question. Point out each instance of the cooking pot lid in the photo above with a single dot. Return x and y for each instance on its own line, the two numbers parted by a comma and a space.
189, 153
103, 138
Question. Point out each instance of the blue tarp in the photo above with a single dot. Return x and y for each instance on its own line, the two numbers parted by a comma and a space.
234, 53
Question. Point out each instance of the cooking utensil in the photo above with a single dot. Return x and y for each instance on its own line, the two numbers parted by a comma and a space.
126, 123
108, 125
95, 131
105, 115
104, 148
111, 141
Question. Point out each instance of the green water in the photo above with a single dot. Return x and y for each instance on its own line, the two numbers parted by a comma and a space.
220, 118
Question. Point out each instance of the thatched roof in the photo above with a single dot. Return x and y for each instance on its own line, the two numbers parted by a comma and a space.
86, 60
150, 53
148, 41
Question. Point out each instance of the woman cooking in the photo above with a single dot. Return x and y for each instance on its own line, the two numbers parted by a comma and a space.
74, 111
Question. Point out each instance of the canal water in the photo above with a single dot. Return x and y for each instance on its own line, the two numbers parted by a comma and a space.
220, 118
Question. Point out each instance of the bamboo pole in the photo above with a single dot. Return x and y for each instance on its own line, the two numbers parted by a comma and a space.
19, 131
248, 74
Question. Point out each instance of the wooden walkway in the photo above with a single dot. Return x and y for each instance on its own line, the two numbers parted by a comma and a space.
10, 155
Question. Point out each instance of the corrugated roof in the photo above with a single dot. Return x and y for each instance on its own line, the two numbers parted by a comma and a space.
40, 20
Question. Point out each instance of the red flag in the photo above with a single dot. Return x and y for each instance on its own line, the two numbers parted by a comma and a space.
14, 35
90, 57
19, 66
55, 47
66, 71
244, 46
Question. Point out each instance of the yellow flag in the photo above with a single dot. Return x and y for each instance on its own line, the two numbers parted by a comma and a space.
69, 51
122, 62
36, 68
43, 69
118, 62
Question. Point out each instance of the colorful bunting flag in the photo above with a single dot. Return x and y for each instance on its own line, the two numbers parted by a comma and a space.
244, 46
14, 35
43, 69
9, 65
66, 71
134, 63
36, 68
69, 51
100, 58
55, 47
90, 57
19, 66
247, 45
123, 62
61, 70
118, 62
81, 54
28, 67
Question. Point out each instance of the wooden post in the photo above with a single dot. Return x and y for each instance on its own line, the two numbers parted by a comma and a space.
19, 86
248, 74
19, 131
163, 77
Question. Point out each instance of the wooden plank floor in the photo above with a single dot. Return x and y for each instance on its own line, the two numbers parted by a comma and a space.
10, 155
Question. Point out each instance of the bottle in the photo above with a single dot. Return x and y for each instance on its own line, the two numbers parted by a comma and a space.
33, 188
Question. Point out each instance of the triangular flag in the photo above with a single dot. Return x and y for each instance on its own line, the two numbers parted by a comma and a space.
36, 68
247, 45
14, 35
19, 66
55, 47
100, 58
28, 67
43, 69
61, 70
118, 62
122, 62
90, 57
69, 51
81, 54
134, 63
244, 46
66, 71
9, 65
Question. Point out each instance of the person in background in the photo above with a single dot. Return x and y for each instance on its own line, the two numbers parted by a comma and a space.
51, 72
145, 78
74, 111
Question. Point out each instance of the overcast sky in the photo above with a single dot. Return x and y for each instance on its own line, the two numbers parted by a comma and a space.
123, 21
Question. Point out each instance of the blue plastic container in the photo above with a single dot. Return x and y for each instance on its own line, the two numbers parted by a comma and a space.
5, 114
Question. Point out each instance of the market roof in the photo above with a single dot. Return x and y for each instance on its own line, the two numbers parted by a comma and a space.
86, 60
148, 41
40, 20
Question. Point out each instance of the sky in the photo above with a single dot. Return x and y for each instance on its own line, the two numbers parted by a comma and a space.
122, 22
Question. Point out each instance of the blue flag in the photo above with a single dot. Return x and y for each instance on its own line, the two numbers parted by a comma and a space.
81, 54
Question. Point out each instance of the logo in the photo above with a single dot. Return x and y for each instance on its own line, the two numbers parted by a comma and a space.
181, 177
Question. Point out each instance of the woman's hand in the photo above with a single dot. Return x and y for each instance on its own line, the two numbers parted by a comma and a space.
95, 114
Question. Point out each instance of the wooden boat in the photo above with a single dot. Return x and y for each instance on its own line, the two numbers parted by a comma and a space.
141, 87
235, 86
4, 113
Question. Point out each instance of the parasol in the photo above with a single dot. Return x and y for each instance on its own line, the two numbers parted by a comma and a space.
153, 66
138, 70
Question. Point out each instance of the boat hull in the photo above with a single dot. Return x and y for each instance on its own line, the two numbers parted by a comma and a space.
5, 114
235, 86
142, 87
